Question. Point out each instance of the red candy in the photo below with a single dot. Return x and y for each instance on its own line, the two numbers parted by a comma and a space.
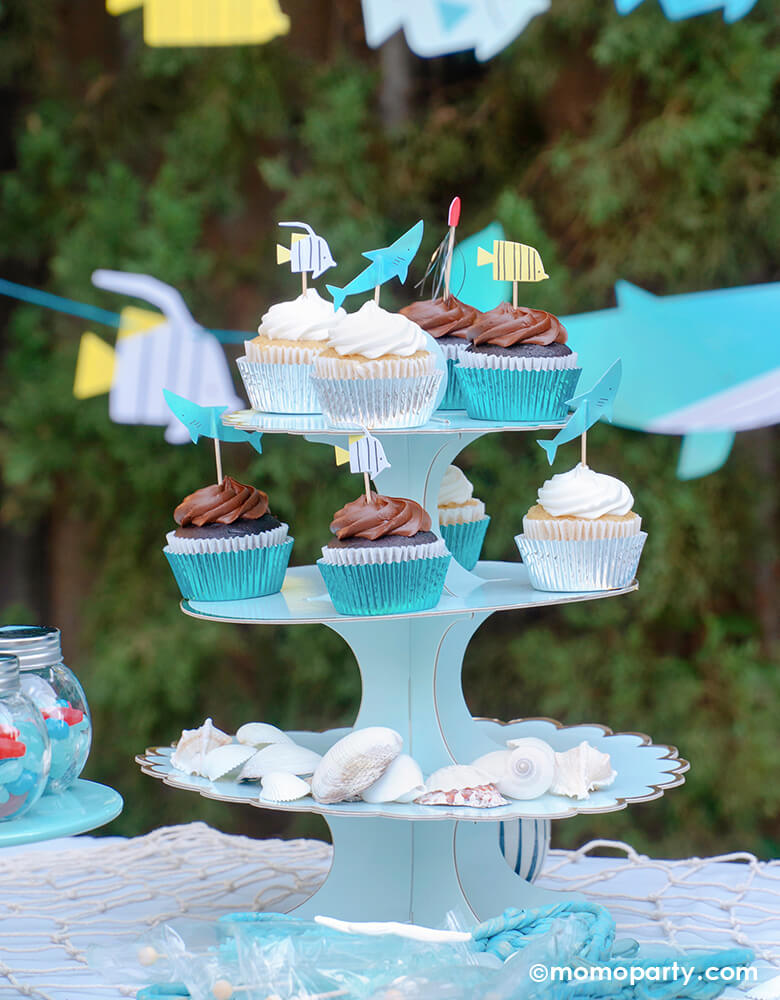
10, 747
70, 715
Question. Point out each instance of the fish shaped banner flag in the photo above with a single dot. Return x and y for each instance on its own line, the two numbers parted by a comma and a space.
513, 262
207, 22
677, 10
365, 454
389, 262
588, 409
204, 421
307, 252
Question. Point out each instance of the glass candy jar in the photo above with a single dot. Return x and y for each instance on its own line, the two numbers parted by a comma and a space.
25, 751
57, 694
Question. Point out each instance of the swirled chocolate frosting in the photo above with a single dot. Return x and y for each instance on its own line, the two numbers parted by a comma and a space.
379, 517
442, 317
221, 504
511, 326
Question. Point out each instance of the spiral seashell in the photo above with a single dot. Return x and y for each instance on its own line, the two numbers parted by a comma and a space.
219, 762
402, 781
582, 770
193, 746
457, 776
279, 757
530, 770
355, 762
282, 786
260, 734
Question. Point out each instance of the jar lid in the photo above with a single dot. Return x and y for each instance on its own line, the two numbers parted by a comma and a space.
35, 646
9, 674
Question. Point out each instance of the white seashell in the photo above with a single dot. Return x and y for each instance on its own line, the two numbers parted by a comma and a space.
402, 781
525, 771
260, 734
581, 770
493, 763
282, 786
193, 746
279, 757
456, 776
220, 761
356, 761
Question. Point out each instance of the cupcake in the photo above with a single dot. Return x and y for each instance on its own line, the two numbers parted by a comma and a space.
462, 518
582, 534
376, 371
277, 367
517, 366
227, 544
449, 321
384, 559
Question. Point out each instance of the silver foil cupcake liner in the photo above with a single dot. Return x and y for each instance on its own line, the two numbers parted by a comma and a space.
595, 564
279, 388
378, 402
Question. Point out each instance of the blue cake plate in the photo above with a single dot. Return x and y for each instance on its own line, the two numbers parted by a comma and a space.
86, 805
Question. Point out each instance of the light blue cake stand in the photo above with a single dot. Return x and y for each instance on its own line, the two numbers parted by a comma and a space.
408, 862
84, 806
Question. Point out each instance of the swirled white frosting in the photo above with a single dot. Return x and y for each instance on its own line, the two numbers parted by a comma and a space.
581, 492
455, 488
308, 317
373, 332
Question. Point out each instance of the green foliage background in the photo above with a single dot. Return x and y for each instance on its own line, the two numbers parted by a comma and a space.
621, 147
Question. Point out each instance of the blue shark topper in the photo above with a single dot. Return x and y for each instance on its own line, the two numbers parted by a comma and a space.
677, 10
308, 252
588, 409
389, 262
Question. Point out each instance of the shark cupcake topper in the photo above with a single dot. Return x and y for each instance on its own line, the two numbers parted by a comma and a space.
307, 252
389, 262
588, 408
365, 455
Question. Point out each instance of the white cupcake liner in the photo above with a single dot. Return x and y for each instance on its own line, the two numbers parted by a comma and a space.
279, 388
452, 352
579, 529
509, 362
237, 543
270, 353
374, 368
581, 566
370, 556
380, 402
463, 513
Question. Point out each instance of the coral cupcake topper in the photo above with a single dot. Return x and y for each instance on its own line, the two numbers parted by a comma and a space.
307, 252
389, 262
366, 455
513, 262
588, 409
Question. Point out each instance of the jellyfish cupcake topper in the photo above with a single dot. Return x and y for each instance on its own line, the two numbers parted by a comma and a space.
588, 408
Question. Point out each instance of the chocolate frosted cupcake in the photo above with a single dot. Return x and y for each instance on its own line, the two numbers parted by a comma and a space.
449, 321
227, 544
384, 558
518, 366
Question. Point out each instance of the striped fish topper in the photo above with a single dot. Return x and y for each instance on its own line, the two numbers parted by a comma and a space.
513, 262
365, 454
307, 251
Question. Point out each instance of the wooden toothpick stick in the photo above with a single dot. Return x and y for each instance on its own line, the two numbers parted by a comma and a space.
218, 458
376, 293
304, 285
367, 483
514, 294
584, 448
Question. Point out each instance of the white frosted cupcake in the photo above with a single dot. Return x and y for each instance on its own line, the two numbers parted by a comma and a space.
277, 367
462, 518
376, 371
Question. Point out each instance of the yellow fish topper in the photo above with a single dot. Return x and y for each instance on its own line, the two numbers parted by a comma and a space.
207, 22
513, 262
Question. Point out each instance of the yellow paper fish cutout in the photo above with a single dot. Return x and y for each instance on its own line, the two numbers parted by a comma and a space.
342, 454
513, 262
207, 22
94, 367
134, 320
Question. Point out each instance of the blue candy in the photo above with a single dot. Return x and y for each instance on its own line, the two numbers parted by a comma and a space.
58, 729
23, 784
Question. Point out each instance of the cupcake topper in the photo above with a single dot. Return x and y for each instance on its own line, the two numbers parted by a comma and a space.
588, 408
389, 262
307, 252
513, 262
453, 218
365, 455
441, 258
203, 421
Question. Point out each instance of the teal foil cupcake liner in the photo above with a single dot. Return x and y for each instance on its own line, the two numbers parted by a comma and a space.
454, 399
385, 588
504, 394
231, 576
465, 540
279, 388
594, 564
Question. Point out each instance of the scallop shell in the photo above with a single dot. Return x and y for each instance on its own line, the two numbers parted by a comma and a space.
525, 771
402, 781
581, 770
484, 796
279, 757
283, 786
456, 776
220, 761
355, 762
260, 734
193, 746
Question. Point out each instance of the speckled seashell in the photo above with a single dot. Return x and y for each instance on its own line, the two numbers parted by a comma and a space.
283, 786
581, 770
260, 734
355, 762
279, 757
523, 772
402, 781
193, 746
221, 761
456, 776
479, 797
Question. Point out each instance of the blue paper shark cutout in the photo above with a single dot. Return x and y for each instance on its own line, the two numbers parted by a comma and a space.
677, 10
588, 408
203, 421
703, 365
389, 262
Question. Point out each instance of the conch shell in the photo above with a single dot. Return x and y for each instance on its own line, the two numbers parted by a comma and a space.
193, 746
581, 770
355, 762
525, 771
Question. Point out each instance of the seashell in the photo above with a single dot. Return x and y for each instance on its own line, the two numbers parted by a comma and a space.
582, 770
220, 761
260, 734
279, 757
456, 776
525, 771
479, 797
283, 786
193, 746
493, 763
402, 781
353, 763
